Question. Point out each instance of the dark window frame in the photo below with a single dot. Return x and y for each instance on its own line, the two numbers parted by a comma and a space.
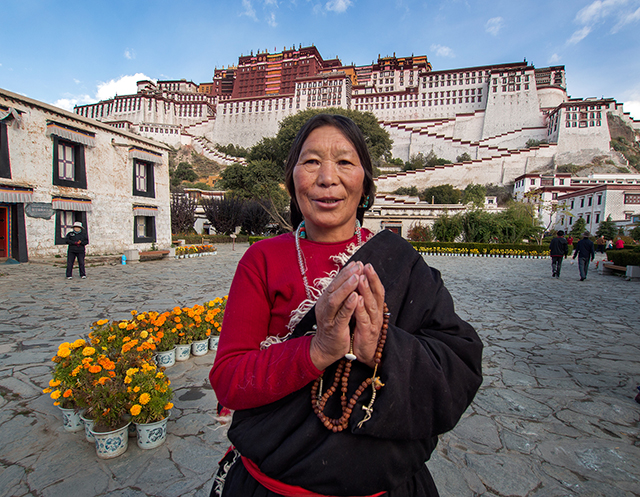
5, 162
80, 175
150, 227
78, 216
150, 192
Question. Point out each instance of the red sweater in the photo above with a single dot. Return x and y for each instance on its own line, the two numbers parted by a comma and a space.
266, 288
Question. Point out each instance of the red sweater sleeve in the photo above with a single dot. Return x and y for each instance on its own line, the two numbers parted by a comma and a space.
243, 376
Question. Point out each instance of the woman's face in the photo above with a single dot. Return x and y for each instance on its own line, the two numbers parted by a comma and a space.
328, 180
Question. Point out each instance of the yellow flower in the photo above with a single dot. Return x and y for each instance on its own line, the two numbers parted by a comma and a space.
135, 409
168, 406
144, 334
87, 351
102, 322
79, 343
127, 379
55, 394
160, 374
47, 390
133, 313
145, 398
64, 352
132, 371
122, 325
136, 389
54, 383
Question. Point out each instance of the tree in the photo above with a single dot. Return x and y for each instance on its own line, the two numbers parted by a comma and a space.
578, 228
635, 233
420, 233
447, 228
183, 214
463, 157
255, 217
607, 228
411, 191
184, 172
474, 194
416, 161
480, 226
442, 194
518, 222
224, 214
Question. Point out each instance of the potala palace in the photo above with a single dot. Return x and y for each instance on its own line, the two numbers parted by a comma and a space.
489, 112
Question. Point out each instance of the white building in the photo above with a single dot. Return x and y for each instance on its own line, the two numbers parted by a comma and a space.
57, 167
620, 200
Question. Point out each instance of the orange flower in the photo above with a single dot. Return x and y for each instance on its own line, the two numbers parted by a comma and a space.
135, 409
168, 406
87, 351
145, 398
103, 380
95, 369
67, 393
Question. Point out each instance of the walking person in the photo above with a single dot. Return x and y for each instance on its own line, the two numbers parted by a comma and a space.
77, 239
601, 242
585, 252
558, 248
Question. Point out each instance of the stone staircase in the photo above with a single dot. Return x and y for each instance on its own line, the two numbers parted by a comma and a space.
205, 147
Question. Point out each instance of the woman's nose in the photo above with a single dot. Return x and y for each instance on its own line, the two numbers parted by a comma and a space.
327, 173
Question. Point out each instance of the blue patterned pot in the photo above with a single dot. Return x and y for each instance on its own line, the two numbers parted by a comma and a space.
71, 419
183, 351
213, 342
166, 358
152, 435
88, 426
200, 347
112, 443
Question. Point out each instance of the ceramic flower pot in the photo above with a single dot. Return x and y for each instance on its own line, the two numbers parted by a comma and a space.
88, 426
112, 443
183, 351
166, 358
152, 435
71, 420
200, 347
213, 342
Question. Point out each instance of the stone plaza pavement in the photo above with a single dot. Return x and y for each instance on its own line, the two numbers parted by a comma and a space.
555, 416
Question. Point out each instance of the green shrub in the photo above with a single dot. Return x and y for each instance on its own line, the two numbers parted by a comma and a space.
624, 257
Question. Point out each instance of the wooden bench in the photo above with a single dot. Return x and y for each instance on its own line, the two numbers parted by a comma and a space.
151, 255
610, 266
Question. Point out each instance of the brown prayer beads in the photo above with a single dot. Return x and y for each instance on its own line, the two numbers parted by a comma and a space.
341, 380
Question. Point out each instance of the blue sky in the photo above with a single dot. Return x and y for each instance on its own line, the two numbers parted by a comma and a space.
67, 51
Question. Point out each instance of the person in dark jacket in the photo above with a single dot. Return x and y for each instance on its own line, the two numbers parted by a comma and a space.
77, 239
558, 248
585, 252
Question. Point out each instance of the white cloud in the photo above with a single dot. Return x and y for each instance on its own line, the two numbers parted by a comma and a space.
633, 108
130, 53
271, 20
125, 85
338, 6
249, 11
597, 10
69, 103
494, 25
626, 19
76, 81
442, 51
579, 35
554, 59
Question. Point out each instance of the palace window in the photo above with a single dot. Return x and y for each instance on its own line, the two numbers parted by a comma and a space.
64, 223
68, 162
5, 164
143, 179
144, 229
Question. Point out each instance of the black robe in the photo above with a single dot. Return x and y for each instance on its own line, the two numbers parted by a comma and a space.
431, 368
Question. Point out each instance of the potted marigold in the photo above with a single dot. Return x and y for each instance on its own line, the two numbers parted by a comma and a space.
214, 316
197, 328
177, 320
63, 386
150, 398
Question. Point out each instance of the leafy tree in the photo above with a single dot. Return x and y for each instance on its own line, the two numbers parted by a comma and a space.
442, 194
396, 161
255, 217
416, 161
578, 228
474, 194
224, 214
232, 150
502, 192
463, 157
635, 233
447, 228
183, 214
412, 191
420, 233
184, 172
480, 226
518, 222
607, 228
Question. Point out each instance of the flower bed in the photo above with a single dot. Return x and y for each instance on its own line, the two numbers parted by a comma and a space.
111, 374
482, 250
195, 251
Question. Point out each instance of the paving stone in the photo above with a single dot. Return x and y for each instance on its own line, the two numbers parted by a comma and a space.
554, 417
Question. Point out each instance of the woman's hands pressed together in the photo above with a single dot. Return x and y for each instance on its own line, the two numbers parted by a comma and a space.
355, 294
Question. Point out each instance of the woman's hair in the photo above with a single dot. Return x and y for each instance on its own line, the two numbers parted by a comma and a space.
351, 132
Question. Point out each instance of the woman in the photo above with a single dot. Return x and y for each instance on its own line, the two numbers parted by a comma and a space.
343, 360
